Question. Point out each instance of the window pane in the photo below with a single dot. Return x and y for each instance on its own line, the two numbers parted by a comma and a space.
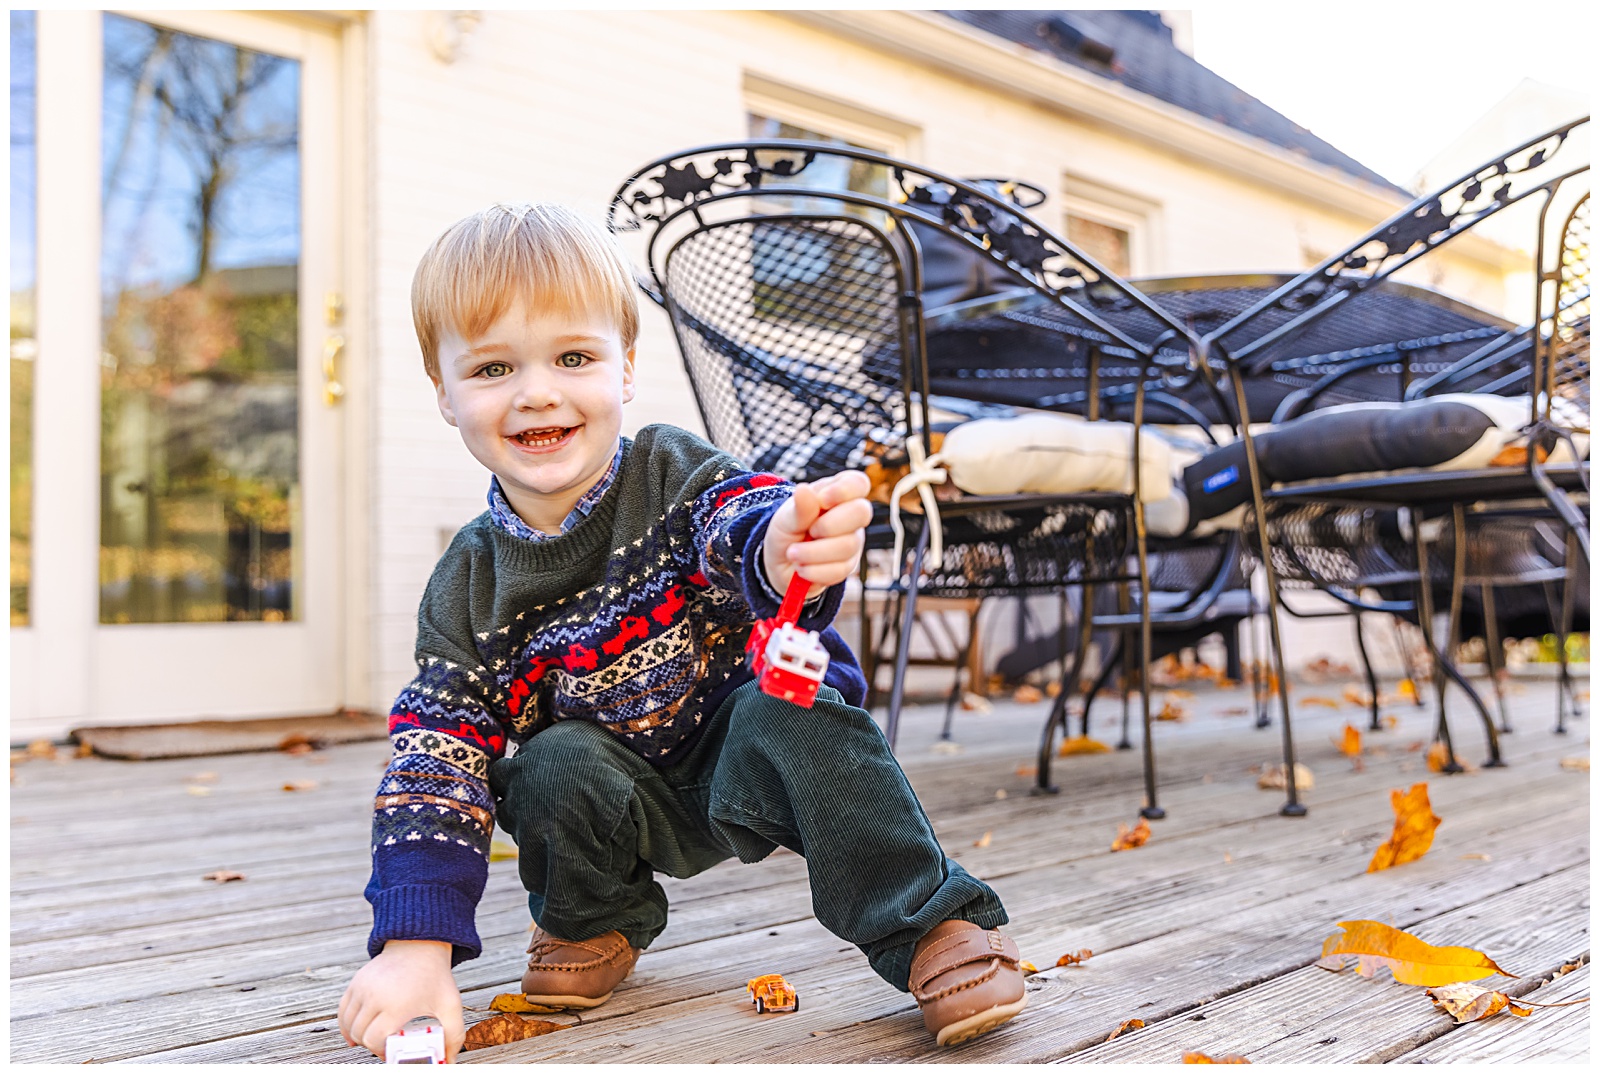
1106, 244
24, 165
199, 283
857, 175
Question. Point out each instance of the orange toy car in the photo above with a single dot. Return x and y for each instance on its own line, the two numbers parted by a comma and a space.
771, 993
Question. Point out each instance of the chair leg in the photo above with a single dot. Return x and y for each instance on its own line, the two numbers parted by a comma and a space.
1058, 717
1405, 659
1494, 656
1425, 621
902, 652
1125, 653
1366, 666
1258, 678
1152, 810
962, 660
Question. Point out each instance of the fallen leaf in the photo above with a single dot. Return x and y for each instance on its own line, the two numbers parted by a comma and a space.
1391, 722
1052, 689
1273, 779
500, 850
1027, 968
1469, 1003
198, 792
1171, 710
1414, 825
1438, 756
1350, 743
1568, 967
1357, 696
504, 1029
1080, 744
1202, 1057
41, 747
1027, 771
1406, 689
518, 1003
1126, 1027
83, 750
1320, 702
300, 785
1234, 710
1027, 694
298, 743
1475, 857
1413, 747
983, 840
222, 876
974, 703
1075, 958
1577, 764
202, 777
1410, 960
1128, 838
947, 747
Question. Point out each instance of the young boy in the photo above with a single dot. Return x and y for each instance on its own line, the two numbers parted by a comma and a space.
595, 616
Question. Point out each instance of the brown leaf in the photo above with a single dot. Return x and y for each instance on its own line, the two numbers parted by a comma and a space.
1357, 696
1075, 958
298, 743
1469, 1003
1126, 1027
1079, 744
1321, 702
1171, 710
1414, 825
983, 840
518, 1003
504, 1029
1202, 1057
1052, 689
83, 750
222, 876
1576, 764
1234, 710
300, 785
1128, 838
41, 747
1027, 771
1027, 694
971, 702
1273, 778
1350, 743
1409, 959
1027, 968
1391, 722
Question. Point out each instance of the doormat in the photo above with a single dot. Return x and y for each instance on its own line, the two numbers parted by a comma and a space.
149, 742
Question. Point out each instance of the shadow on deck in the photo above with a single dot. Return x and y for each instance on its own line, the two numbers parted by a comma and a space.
121, 951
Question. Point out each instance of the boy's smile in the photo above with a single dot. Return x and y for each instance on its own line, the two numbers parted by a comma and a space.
538, 400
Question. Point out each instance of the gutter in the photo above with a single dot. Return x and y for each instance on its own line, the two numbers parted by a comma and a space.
955, 49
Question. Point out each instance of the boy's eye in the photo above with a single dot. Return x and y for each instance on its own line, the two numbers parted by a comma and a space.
573, 360
495, 369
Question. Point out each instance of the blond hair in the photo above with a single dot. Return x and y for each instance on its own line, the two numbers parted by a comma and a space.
545, 254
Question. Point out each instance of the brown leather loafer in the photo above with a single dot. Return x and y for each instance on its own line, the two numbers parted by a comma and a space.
576, 973
966, 980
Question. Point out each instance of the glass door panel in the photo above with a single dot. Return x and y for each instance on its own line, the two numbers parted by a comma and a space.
199, 271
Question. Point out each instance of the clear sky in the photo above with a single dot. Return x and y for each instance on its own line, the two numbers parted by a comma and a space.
1393, 83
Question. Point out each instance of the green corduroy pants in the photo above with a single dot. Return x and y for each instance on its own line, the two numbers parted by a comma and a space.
594, 821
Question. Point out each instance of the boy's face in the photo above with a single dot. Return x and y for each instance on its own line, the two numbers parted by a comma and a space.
538, 400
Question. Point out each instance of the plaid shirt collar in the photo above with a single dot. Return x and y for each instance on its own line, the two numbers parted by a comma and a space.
513, 524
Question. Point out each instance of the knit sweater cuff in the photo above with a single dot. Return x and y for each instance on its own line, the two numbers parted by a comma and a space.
425, 912
817, 613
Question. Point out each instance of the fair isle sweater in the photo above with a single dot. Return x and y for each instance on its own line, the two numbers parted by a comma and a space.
634, 618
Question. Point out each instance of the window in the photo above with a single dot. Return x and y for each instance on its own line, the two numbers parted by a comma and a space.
24, 348
1117, 229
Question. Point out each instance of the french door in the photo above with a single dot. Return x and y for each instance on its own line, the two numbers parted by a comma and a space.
176, 332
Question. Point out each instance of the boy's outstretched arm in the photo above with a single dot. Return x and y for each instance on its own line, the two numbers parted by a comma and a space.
407, 979
833, 513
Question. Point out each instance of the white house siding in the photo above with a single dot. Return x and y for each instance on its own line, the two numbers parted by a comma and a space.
563, 106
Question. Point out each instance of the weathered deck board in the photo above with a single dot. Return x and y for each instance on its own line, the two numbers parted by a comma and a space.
1555, 1035
1226, 901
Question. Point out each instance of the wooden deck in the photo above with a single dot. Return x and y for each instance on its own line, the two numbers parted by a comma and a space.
120, 951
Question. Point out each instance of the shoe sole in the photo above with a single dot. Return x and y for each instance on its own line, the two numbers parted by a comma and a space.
567, 1002
978, 1024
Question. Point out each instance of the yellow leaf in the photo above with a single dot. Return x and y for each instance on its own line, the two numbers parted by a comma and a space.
1469, 1003
1577, 764
1075, 958
517, 1003
1407, 689
504, 1029
1272, 778
983, 840
1126, 1027
1438, 756
1128, 838
1081, 744
1414, 825
1202, 1057
1409, 959
1350, 744
1027, 968
500, 850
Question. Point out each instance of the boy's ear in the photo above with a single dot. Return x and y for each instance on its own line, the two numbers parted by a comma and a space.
445, 410
627, 375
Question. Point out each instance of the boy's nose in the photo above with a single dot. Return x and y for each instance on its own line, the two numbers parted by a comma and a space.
535, 392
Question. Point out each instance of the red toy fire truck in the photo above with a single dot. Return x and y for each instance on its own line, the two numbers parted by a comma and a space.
788, 662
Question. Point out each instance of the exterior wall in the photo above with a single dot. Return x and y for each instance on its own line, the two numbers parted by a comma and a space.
563, 106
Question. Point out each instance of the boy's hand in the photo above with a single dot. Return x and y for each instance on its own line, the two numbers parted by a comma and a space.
834, 513
408, 979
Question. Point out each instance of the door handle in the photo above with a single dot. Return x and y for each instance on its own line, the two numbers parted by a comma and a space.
332, 386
